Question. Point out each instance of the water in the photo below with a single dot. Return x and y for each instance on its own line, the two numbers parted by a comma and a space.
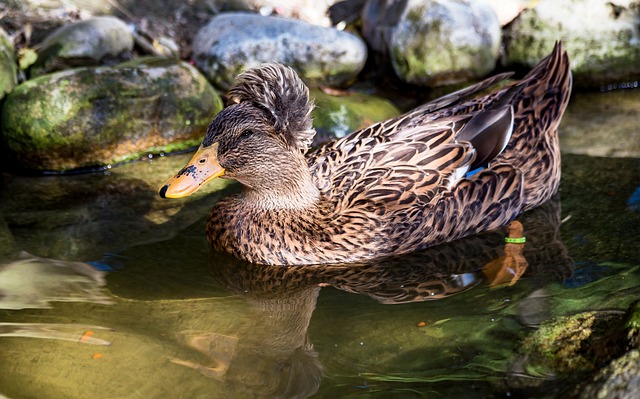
183, 323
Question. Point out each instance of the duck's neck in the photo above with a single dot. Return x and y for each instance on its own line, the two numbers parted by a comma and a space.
293, 190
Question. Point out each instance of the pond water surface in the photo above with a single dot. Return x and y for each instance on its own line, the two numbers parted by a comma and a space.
155, 315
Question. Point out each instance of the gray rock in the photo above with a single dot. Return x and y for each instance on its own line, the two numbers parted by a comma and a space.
96, 116
233, 42
601, 37
619, 380
8, 69
85, 43
434, 42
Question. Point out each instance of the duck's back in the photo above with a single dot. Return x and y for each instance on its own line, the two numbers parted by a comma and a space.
409, 172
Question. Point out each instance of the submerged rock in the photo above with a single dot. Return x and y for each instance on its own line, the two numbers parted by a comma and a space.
602, 124
576, 343
7, 243
233, 42
85, 216
602, 345
96, 116
601, 37
336, 116
85, 43
8, 69
434, 43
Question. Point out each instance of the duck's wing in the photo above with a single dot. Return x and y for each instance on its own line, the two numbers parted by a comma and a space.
417, 164
426, 157
492, 198
432, 124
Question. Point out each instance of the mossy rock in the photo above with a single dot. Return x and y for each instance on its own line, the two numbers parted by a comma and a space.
434, 43
95, 116
620, 379
8, 68
578, 343
600, 37
336, 116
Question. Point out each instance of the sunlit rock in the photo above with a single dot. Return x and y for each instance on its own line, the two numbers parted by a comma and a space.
85, 43
601, 37
233, 42
620, 379
96, 116
434, 43
8, 70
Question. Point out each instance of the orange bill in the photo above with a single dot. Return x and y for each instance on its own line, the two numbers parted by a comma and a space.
202, 167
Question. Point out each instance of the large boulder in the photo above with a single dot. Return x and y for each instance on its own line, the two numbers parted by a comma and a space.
233, 42
97, 116
434, 42
601, 37
8, 69
84, 43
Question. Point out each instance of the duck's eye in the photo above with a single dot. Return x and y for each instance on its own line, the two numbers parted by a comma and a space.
246, 133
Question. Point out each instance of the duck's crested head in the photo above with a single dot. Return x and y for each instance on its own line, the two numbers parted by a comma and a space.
259, 139
279, 91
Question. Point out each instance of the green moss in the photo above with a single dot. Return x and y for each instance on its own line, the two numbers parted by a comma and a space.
104, 115
415, 15
577, 343
632, 326
599, 55
559, 342
342, 115
8, 68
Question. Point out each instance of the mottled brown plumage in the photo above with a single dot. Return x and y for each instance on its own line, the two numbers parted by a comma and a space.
394, 187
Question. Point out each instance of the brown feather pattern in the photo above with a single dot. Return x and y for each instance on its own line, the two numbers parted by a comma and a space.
396, 186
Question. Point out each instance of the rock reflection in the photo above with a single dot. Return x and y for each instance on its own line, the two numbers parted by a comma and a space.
271, 355
33, 282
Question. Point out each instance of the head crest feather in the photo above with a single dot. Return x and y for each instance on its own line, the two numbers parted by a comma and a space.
278, 90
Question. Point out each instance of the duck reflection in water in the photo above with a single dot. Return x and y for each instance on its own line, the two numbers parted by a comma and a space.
271, 355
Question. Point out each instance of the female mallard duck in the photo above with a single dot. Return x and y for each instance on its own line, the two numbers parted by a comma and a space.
397, 186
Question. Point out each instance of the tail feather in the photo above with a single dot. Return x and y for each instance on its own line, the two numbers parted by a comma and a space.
542, 98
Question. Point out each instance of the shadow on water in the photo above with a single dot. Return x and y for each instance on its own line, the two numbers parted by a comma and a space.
166, 318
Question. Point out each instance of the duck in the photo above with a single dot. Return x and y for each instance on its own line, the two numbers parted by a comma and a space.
462, 164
